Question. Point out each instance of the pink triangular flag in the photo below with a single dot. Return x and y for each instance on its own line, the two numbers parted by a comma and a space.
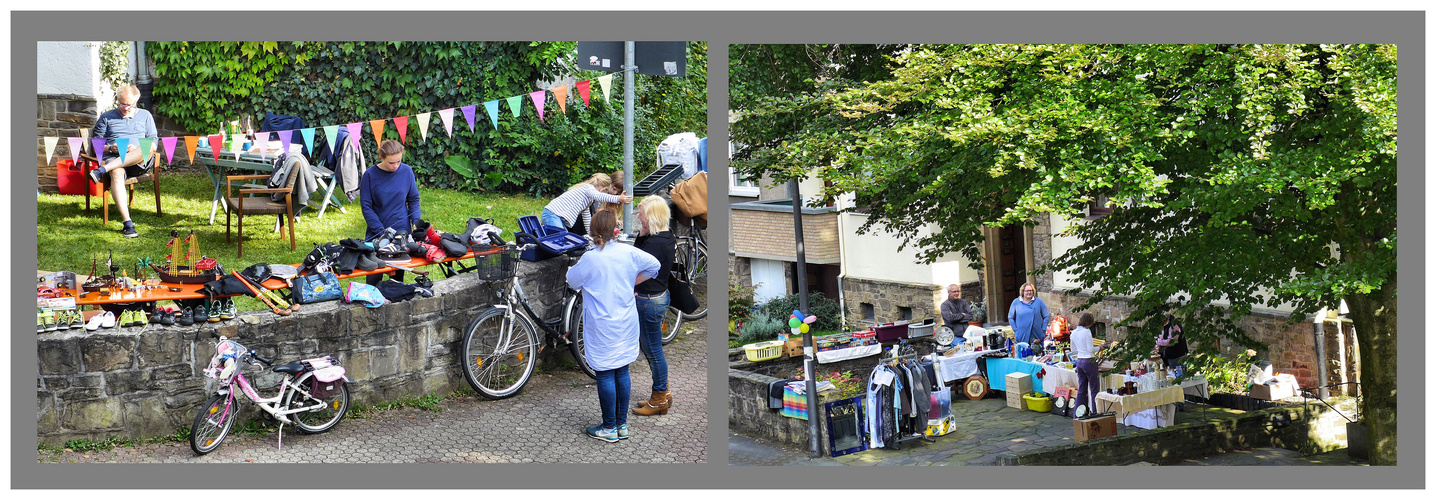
169, 144
538, 98
583, 91
353, 133
215, 141
75, 148
469, 115
285, 138
448, 116
560, 93
423, 125
190, 143
401, 123
260, 141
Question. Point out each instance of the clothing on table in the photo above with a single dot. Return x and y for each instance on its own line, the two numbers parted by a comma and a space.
1029, 320
286, 165
389, 200
775, 393
573, 205
956, 313
605, 277
112, 125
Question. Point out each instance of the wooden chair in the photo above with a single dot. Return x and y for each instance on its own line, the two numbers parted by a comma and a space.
244, 204
89, 161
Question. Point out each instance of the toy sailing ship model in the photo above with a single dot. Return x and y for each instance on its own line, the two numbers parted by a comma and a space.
186, 269
98, 283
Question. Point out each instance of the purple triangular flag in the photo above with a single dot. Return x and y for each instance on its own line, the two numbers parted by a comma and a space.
538, 98
285, 137
169, 145
99, 144
469, 115
493, 109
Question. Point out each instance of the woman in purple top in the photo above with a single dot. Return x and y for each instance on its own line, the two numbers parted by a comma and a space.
388, 197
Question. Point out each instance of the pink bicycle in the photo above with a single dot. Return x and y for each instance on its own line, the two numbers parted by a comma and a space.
313, 396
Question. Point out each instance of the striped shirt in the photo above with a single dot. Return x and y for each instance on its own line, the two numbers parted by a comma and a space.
577, 202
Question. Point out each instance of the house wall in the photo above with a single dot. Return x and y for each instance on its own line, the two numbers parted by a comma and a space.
769, 235
887, 296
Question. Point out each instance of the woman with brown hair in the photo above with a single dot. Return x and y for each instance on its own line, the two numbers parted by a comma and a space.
606, 277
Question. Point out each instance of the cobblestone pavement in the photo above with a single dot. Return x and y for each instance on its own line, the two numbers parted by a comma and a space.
987, 429
542, 424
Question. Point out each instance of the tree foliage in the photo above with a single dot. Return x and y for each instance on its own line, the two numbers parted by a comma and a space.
201, 85
1249, 176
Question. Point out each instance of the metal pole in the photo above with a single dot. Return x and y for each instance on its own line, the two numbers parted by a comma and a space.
1319, 334
815, 448
629, 226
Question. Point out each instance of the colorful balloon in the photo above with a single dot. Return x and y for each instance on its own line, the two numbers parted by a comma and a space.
803, 328
810, 319
794, 322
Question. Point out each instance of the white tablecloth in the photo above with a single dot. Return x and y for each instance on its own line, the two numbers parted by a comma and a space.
1058, 376
1126, 406
836, 355
957, 366
1196, 386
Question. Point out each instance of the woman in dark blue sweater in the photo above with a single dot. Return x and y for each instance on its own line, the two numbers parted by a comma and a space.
388, 197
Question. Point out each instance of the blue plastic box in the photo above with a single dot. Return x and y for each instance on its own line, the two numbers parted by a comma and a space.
550, 241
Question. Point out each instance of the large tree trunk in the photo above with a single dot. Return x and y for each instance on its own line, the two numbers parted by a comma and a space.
1375, 317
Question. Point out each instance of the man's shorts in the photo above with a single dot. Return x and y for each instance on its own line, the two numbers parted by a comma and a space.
135, 170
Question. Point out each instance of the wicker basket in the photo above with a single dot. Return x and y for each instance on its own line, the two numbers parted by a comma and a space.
496, 266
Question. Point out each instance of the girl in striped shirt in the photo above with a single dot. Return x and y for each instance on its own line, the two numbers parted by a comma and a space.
573, 206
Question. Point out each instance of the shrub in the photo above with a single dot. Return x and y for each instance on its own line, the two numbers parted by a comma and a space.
761, 327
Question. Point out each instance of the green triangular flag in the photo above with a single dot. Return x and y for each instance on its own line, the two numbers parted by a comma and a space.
514, 104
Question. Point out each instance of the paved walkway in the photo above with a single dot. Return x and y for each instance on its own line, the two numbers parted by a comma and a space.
987, 429
542, 424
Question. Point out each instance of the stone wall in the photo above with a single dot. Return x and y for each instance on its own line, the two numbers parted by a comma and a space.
139, 383
748, 412
1309, 429
887, 296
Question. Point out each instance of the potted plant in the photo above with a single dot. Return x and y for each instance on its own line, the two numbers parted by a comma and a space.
979, 313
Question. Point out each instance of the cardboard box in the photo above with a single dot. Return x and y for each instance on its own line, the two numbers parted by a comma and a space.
793, 348
1276, 389
1094, 428
1014, 400
1019, 383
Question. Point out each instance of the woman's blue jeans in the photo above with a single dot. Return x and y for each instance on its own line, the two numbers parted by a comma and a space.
650, 336
613, 391
548, 218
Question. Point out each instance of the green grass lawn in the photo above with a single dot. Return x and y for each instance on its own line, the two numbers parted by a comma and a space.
70, 238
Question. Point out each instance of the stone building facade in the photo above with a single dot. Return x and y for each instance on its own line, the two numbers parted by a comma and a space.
148, 382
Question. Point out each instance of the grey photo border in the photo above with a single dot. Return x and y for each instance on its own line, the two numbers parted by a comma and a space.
1406, 29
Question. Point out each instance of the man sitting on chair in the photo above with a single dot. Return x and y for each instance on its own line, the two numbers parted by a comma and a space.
130, 122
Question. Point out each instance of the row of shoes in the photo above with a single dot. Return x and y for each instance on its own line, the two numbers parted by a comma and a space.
49, 321
211, 311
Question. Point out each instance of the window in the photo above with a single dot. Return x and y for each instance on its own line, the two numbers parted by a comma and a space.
1099, 330
1099, 208
740, 185
905, 313
868, 314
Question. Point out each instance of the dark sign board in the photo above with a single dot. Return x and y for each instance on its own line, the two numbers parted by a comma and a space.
652, 58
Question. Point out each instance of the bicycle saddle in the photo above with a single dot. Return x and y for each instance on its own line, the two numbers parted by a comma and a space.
292, 368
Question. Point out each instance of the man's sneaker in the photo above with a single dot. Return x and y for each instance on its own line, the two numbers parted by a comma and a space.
623, 431
227, 310
107, 320
214, 315
129, 230
601, 434
98, 175
73, 319
167, 316
127, 319
157, 316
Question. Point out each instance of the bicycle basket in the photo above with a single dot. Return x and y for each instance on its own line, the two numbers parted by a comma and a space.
496, 266
327, 382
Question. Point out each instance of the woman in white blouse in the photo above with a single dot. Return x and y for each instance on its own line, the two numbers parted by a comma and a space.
1086, 363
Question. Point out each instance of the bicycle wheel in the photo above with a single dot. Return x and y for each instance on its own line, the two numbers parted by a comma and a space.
212, 424
575, 315
693, 256
673, 323
499, 354
319, 419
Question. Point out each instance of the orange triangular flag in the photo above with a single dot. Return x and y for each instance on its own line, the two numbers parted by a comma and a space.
402, 124
378, 127
561, 93
191, 142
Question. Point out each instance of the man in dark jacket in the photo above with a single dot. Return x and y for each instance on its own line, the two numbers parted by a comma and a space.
955, 311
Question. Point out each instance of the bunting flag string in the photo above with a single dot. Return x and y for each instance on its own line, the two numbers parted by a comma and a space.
75, 143
286, 137
583, 91
493, 108
469, 115
423, 119
50, 143
538, 98
401, 123
169, 145
98, 144
447, 115
514, 104
560, 93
